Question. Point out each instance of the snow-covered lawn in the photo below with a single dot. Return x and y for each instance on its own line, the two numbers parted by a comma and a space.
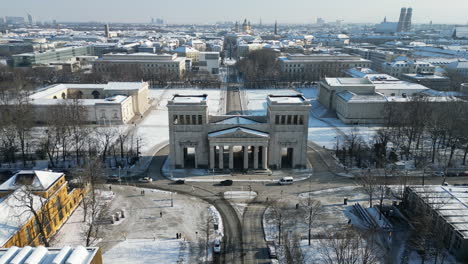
154, 129
148, 251
72, 233
324, 129
150, 222
255, 100
335, 215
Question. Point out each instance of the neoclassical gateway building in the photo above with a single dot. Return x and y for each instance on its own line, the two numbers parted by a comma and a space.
238, 142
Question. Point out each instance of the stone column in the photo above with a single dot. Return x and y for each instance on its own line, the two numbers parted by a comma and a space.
184, 155
212, 158
221, 154
195, 156
246, 157
255, 156
231, 157
264, 157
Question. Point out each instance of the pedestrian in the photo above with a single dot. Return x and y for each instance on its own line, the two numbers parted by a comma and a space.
160, 214
143, 192
177, 235
110, 187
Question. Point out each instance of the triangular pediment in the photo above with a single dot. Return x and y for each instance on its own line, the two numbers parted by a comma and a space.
237, 120
238, 132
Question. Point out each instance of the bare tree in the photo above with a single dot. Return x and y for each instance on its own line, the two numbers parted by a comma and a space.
294, 253
348, 246
370, 185
40, 208
94, 207
310, 210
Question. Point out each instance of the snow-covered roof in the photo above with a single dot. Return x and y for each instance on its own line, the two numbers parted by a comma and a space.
43, 255
351, 97
347, 81
54, 89
38, 180
238, 130
185, 49
189, 99
14, 214
237, 120
286, 99
451, 202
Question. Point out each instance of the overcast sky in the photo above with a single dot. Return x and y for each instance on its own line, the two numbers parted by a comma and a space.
209, 11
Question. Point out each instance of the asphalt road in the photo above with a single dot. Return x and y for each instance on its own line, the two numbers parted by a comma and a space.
255, 247
233, 101
244, 238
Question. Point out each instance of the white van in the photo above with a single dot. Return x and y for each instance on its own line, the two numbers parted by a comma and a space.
286, 180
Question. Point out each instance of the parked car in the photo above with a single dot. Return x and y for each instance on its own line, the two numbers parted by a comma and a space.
179, 181
463, 173
217, 246
438, 173
451, 174
286, 180
114, 179
226, 183
145, 180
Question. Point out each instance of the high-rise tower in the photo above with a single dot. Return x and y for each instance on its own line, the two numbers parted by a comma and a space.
407, 24
106, 31
276, 27
401, 21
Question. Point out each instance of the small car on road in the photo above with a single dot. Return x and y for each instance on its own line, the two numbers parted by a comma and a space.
179, 181
286, 181
226, 183
145, 180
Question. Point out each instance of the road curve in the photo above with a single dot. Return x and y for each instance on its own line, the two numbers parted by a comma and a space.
233, 251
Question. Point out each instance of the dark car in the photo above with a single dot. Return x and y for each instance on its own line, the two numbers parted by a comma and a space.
226, 183
179, 181
113, 179
451, 174
463, 173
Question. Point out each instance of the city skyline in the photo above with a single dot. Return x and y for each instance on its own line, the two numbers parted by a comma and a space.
210, 11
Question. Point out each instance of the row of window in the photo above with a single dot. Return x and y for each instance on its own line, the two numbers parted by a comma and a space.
289, 119
187, 119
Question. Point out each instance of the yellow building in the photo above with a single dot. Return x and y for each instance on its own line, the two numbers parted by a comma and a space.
30, 199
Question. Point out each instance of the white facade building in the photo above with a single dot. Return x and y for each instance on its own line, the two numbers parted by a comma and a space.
209, 61
147, 62
111, 103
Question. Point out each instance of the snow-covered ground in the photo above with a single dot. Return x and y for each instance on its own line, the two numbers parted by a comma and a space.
335, 215
149, 227
72, 233
154, 129
325, 128
148, 251
255, 100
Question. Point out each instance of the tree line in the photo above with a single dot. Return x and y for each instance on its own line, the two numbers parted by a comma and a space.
427, 132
